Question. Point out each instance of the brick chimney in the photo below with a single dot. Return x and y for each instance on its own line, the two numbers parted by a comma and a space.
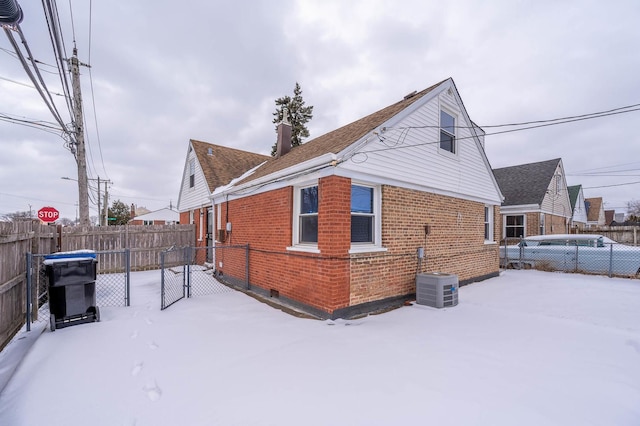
283, 145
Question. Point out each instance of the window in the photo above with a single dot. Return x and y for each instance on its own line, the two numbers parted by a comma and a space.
362, 214
447, 132
542, 224
488, 223
308, 218
514, 226
192, 173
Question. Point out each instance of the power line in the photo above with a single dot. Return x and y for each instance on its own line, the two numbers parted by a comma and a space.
610, 186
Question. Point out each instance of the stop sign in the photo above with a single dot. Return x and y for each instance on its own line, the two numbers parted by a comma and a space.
48, 214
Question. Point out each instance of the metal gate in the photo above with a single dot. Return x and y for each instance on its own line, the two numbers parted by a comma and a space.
188, 271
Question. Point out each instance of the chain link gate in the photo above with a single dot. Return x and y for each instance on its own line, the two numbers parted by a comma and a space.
112, 283
200, 271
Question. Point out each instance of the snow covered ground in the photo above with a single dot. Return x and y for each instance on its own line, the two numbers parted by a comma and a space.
525, 348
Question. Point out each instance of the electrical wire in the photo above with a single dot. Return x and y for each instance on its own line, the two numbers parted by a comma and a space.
33, 79
546, 124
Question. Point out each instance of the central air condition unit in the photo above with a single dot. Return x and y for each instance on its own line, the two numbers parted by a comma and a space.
437, 290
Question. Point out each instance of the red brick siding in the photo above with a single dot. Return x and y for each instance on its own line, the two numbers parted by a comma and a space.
334, 279
265, 222
455, 244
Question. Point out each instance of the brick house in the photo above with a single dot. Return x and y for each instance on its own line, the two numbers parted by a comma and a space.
334, 225
536, 200
166, 216
207, 167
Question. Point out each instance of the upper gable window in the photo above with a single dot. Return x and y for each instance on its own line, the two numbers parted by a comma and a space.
447, 132
192, 173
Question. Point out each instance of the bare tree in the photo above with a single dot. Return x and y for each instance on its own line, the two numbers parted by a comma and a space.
17, 216
633, 210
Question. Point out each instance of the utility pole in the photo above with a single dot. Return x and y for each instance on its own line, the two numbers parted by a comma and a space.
106, 203
99, 212
78, 130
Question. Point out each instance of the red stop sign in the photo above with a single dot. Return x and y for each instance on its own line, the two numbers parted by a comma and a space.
48, 214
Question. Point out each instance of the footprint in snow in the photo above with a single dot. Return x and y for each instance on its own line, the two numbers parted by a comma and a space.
634, 344
134, 334
153, 345
136, 369
148, 321
153, 391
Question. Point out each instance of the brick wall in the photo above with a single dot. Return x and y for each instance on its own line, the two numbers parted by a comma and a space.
454, 245
335, 279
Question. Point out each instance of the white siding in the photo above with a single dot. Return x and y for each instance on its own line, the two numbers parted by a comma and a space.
409, 151
557, 201
198, 196
580, 211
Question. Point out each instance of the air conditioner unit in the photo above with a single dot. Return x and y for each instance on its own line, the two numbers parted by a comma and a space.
437, 290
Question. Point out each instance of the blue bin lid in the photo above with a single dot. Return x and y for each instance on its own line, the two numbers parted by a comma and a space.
70, 255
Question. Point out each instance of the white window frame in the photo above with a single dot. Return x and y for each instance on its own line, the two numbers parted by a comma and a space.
295, 243
488, 221
192, 173
376, 245
455, 131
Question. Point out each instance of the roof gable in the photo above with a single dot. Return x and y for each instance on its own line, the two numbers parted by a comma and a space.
574, 191
221, 164
339, 139
525, 183
594, 205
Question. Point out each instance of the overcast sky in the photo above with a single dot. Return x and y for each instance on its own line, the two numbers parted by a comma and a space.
164, 72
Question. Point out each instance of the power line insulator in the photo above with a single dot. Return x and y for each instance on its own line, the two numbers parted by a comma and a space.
10, 12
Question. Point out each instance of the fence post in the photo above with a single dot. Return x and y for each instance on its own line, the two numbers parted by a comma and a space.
127, 262
521, 252
29, 281
187, 272
162, 280
610, 260
576, 269
246, 262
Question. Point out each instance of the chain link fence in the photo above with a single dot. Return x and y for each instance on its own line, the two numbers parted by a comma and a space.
112, 284
586, 254
200, 271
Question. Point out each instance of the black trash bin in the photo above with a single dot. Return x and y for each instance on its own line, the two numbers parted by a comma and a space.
72, 288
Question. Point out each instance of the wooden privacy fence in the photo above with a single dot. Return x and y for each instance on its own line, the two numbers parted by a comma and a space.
16, 240
145, 243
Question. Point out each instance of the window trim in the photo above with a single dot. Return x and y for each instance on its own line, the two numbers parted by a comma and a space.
296, 244
454, 134
376, 245
488, 220
524, 224
192, 173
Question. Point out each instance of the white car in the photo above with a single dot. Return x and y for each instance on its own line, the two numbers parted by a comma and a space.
574, 253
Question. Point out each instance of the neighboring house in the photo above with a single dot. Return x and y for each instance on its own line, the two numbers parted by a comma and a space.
609, 216
595, 212
578, 208
335, 225
536, 200
206, 168
164, 216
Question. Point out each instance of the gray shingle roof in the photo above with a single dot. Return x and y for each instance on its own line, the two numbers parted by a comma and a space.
526, 183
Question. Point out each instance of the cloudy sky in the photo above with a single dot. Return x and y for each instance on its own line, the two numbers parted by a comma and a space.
164, 72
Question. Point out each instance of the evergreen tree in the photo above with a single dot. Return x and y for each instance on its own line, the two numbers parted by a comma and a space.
120, 211
299, 116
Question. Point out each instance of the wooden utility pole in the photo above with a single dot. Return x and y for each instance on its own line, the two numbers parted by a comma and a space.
78, 131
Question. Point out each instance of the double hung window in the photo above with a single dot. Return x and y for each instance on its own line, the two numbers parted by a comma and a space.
447, 132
